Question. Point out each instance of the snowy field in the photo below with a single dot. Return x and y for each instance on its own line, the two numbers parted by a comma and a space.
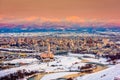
62, 63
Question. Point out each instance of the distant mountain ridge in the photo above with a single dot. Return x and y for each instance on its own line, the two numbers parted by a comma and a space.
51, 27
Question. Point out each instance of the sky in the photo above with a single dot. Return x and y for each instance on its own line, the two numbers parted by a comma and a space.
59, 10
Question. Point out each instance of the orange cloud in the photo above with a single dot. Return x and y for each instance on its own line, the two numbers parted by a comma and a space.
38, 19
44, 19
74, 19
1, 17
32, 18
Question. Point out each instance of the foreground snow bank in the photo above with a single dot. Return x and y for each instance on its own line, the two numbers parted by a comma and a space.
107, 74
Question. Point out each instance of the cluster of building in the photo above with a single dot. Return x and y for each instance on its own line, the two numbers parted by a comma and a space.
58, 44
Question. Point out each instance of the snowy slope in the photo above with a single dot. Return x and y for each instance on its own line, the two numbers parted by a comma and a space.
107, 74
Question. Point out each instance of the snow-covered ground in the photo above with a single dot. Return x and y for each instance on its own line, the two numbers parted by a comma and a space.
66, 61
107, 74
81, 55
62, 63
33, 67
100, 60
90, 58
56, 75
15, 49
22, 60
75, 67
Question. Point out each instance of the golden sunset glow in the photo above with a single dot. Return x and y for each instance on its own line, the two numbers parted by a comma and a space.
59, 10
